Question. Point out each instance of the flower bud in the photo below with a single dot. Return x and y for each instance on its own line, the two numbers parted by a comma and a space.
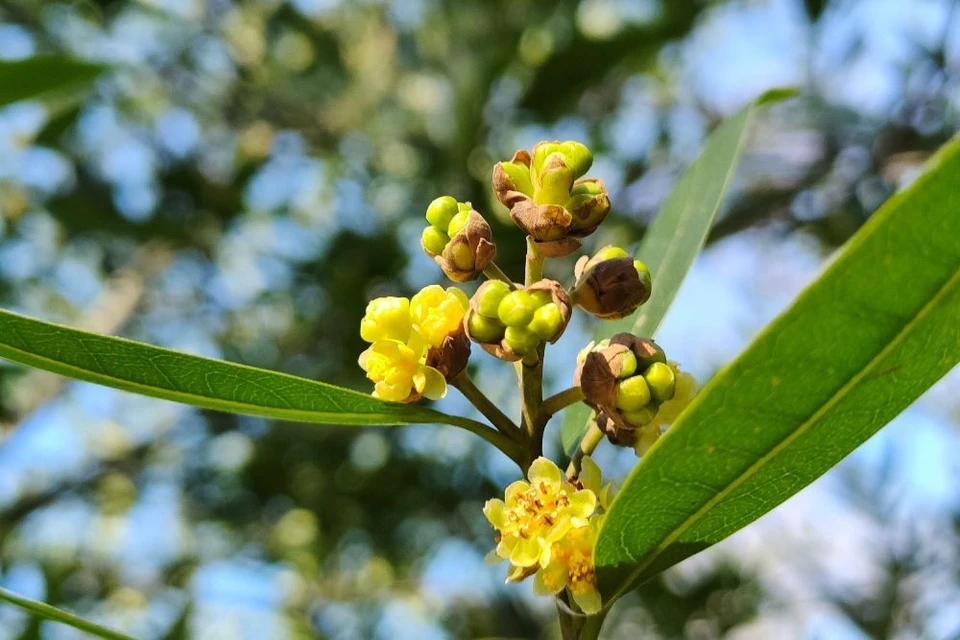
433, 241
609, 285
661, 380
607, 375
489, 299
547, 198
484, 329
517, 308
633, 394
547, 321
441, 212
512, 324
470, 249
520, 340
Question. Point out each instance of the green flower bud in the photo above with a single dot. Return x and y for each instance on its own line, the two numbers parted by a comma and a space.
577, 157
627, 364
493, 294
519, 175
521, 340
441, 211
516, 309
433, 241
641, 417
458, 222
462, 256
547, 321
609, 253
556, 179
645, 277
484, 329
633, 394
541, 297
661, 380
587, 189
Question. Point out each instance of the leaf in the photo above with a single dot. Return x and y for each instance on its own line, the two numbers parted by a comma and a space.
36, 77
48, 612
860, 344
204, 382
677, 235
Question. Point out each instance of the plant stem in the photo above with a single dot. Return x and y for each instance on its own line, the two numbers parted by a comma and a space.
588, 443
493, 272
465, 385
560, 401
534, 263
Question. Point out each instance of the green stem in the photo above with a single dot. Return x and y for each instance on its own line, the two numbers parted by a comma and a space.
560, 401
534, 263
493, 272
48, 612
465, 385
588, 443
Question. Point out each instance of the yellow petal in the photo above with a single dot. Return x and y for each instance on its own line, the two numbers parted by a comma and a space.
514, 489
582, 504
550, 580
545, 471
430, 383
494, 510
588, 600
590, 476
526, 553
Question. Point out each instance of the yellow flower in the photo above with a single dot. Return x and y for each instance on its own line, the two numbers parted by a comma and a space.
534, 515
435, 313
571, 565
399, 373
386, 319
669, 411
592, 480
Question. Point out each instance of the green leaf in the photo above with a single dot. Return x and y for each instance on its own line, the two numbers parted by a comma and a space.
677, 235
211, 384
860, 344
37, 77
47, 612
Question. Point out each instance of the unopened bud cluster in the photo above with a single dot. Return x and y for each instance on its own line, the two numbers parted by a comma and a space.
512, 323
628, 380
458, 239
548, 197
611, 284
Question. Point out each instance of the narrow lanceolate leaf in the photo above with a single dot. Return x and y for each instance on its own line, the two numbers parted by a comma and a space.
860, 344
212, 384
47, 612
34, 78
677, 236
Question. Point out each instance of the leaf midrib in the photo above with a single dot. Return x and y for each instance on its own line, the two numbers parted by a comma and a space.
907, 329
210, 402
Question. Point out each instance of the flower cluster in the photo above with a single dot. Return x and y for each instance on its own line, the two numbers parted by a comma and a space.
547, 527
416, 344
549, 199
458, 239
633, 387
548, 524
512, 323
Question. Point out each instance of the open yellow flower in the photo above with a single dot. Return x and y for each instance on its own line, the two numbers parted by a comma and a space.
436, 312
386, 319
399, 374
536, 514
571, 565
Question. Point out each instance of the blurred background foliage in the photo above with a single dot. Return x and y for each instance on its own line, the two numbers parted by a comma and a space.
246, 175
